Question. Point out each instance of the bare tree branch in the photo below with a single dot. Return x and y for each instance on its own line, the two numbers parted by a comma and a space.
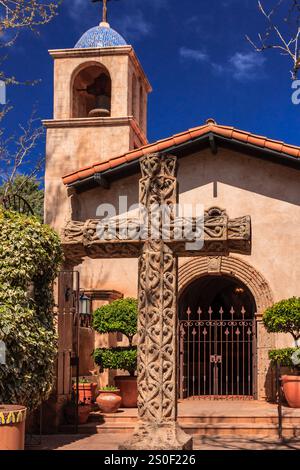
17, 153
26, 13
282, 32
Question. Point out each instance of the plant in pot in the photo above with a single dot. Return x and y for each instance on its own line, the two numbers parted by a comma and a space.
86, 391
119, 317
71, 409
289, 358
284, 317
109, 399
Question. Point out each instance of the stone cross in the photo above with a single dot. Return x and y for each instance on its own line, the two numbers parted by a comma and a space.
157, 325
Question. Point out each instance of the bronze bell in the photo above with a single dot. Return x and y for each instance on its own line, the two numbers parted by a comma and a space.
102, 108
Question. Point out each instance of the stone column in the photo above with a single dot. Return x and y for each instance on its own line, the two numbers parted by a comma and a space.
157, 329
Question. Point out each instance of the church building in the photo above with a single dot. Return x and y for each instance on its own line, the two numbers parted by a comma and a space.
98, 153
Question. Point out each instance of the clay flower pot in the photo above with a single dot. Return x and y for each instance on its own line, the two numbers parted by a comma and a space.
86, 392
12, 427
128, 388
83, 413
109, 401
291, 389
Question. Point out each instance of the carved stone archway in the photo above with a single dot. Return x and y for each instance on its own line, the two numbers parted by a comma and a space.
261, 291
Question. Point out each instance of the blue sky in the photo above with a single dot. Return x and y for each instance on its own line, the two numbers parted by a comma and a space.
194, 53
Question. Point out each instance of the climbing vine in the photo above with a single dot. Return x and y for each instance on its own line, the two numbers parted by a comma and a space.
30, 255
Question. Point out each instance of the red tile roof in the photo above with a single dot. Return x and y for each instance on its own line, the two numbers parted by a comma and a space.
184, 137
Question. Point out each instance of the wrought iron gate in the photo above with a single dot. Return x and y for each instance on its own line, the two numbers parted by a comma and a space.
217, 354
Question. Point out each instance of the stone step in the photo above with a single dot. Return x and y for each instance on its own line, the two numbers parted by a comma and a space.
244, 429
127, 418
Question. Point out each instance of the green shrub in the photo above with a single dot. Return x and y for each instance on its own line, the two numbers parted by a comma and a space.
284, 317
30, 255
109, 388
283, 356
117, 358
118, 317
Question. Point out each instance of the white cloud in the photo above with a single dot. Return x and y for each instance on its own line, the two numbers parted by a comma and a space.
75, 8
193, 54
157, 4
247, 66
133, 26
218, 68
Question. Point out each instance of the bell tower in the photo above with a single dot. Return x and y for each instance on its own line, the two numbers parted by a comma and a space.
100, 109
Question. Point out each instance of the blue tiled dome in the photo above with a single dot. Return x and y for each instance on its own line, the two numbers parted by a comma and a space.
100, 36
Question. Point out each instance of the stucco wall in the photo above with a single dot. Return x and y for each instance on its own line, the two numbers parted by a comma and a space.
242, 185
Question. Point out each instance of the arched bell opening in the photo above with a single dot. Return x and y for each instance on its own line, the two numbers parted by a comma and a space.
217, 339
92, 92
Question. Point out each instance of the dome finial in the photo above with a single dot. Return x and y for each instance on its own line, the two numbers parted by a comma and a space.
104, 11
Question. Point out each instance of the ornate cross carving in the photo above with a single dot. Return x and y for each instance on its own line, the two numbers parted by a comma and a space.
157, 329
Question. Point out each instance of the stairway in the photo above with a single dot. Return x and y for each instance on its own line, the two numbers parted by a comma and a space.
202, 418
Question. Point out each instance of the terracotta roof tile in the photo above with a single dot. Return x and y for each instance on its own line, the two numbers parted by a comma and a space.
242, 136
181, 138
294, 152
257, 140
101, 167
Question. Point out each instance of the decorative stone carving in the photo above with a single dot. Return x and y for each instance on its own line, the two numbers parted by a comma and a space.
157, 356
125, 237
157, 340
157, 314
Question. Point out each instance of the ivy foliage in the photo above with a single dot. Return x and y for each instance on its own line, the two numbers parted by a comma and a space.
117, 358
284, 317
120, 316
283, 356
30, 255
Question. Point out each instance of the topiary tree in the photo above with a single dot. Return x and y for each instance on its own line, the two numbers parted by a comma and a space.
283, 356
30, 255
284, 317
118, 317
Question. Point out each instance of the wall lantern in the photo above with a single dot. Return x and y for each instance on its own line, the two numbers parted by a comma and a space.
85, 304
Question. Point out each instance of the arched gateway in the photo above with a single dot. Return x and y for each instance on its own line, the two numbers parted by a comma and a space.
221, 301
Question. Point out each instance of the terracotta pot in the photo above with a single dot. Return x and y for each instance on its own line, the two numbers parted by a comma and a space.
12, 427
83, 413
128, 388
86, 392
109, 402
291, 389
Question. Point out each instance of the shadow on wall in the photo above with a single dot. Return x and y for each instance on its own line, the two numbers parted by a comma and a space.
231, 168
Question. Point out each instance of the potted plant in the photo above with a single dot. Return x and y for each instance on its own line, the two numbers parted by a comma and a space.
284, 317
86, 391
119, 317
109, 399
289, 358
70, 412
